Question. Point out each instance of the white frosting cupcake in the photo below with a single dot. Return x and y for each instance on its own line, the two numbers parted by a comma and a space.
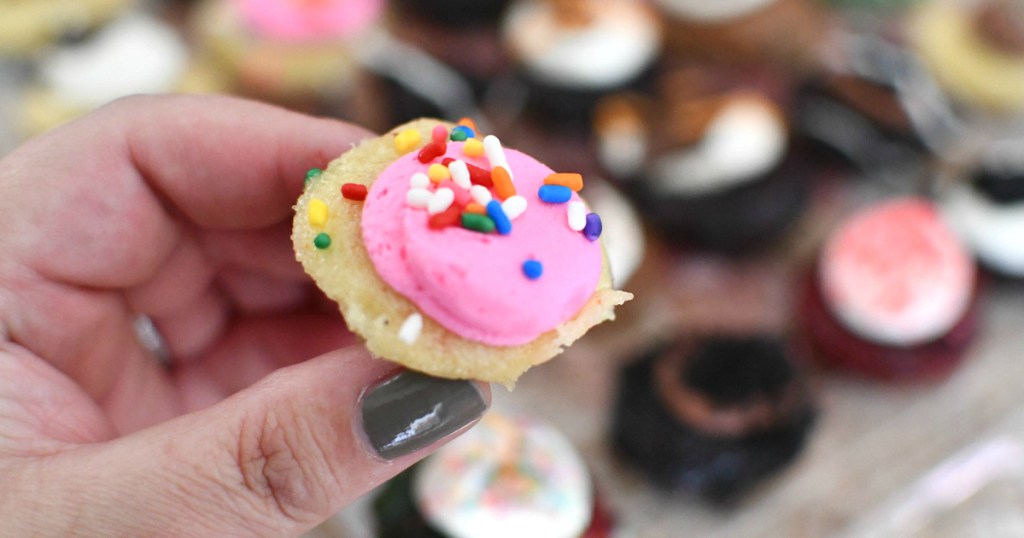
508, 477
895, 274
134, 54
995, 231
712, 11
618, 40
746, 138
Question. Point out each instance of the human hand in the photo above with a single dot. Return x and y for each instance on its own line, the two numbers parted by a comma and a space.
179, 208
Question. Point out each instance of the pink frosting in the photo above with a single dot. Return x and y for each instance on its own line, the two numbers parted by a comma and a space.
473, 283
306, 20
896, 274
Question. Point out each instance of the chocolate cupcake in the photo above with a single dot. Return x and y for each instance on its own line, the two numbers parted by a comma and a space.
706, 167
893, 295
976, 51
986, 207
876, 109
781, 32
454, 14
570, 53
510, 476
712, 416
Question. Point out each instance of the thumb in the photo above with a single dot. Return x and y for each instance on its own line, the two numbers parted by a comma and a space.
281, 456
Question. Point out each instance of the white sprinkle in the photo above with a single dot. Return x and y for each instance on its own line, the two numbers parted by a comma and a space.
496, 154
460, 174
514, 206
577, 213
419, 180
441, 201
411, 328
418, 197
480, 194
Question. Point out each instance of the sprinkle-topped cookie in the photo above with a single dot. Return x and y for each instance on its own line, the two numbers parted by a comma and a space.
452, 262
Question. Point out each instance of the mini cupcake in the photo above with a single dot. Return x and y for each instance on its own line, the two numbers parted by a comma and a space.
893, 296
712, 416
570, 53
508, 476
707, 167
784, 32
986, 208
876, 108
27, 27
288, 51
976, 50
136, 54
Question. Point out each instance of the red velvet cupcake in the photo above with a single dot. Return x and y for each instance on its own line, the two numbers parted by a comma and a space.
893, 296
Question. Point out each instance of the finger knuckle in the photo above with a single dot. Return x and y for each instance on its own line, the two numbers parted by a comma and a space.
282, 464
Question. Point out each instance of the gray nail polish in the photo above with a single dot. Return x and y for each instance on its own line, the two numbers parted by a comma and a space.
412, 410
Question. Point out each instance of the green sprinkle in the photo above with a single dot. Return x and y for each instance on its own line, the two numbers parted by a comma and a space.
312, 174
478, 223
322, 241
458, 135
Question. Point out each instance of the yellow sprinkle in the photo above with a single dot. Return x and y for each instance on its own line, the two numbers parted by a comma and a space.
317, 213
407, 140
473, 148
438, 173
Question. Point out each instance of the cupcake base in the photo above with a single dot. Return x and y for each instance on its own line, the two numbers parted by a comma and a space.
832, 345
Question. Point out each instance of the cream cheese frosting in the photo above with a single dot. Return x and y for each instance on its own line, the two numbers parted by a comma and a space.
473, 283
309, 20
896, 274
134, 54
508, 477
618, 42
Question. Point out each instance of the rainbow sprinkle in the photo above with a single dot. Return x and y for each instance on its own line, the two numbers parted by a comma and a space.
456, 193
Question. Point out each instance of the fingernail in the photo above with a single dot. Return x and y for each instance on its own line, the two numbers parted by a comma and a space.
410, 411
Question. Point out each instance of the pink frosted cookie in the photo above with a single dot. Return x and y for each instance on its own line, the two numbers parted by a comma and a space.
453, 255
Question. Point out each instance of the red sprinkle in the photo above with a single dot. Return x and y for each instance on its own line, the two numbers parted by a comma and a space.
432, 151
479, 176
354, 191
439, 134
446, 218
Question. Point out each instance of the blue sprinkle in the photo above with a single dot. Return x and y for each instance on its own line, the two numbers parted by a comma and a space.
593, 228
497, 214
464, 133
555, 194
532, 269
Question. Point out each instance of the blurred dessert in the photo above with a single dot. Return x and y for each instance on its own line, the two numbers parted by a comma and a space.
135, 54
986, 207
708, 162
26, 27
975, 50
893, 295
509, 476
288, 51
713, 415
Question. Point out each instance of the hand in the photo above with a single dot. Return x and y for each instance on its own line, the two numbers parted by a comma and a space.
179, 208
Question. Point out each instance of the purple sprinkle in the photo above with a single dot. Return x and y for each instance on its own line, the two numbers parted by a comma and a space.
593, 228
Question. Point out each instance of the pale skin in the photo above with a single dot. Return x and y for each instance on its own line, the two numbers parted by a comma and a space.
179, 208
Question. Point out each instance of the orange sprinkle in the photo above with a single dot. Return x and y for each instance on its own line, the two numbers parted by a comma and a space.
502, 183
468, 122
573, 181
476, 208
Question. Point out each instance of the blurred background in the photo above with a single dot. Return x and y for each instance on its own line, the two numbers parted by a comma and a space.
819, 205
